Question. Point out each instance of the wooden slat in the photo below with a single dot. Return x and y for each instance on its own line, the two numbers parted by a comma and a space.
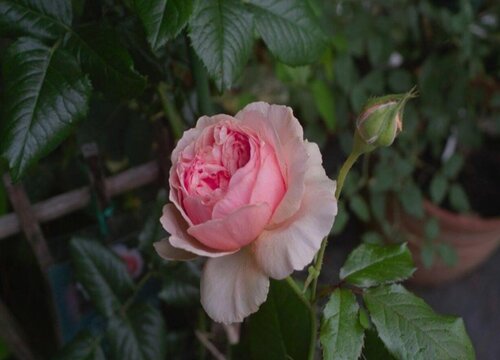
74, 200
29, 222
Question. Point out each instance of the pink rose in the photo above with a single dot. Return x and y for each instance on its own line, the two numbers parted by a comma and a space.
252, 195
132, 259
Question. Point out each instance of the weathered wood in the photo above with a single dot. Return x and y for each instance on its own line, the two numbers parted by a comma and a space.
31, 228
11, 333
74, 200
29, 222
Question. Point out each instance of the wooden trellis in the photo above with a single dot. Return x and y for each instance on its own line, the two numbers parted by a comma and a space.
27, 218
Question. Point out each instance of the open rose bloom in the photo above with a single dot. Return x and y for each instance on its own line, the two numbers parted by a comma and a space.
251, 194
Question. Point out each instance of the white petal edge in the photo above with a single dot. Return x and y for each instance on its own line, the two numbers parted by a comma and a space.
233, 287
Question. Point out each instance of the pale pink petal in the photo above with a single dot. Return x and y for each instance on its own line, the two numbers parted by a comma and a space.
189, 139
233, 287
240, 187
296, 157
256, 121
193, 134
173, 195
280, 117
167, 251
283, 130
195, 210
176, 226
235, 230
292, 245
269, 186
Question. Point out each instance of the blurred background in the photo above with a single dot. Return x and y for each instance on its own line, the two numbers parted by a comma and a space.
437, 187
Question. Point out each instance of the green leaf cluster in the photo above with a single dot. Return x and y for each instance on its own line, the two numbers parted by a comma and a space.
47, 72
371, 55
390, 320
135, 329
222, 33
59, 59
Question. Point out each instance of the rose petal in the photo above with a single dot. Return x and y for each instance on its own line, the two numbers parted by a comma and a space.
233, 287
296, 158
293, 244
286, 136
280, 116
235, 230
193, 134
240, 186
269, 185
167, 251
188, 139
176, 226
195, 210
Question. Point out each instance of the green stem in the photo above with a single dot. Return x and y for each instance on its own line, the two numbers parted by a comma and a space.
137, 289
202, 326
344, 170
202, 85
170, 111
318, 264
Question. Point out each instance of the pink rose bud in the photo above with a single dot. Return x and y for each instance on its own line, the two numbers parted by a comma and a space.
132, 259
251, 194
381, 121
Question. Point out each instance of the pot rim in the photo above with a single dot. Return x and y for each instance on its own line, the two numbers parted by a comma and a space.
462, 221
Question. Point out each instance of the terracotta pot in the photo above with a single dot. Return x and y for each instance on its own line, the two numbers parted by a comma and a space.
473, 238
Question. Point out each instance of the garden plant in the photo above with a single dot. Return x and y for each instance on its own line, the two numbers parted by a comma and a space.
217, 147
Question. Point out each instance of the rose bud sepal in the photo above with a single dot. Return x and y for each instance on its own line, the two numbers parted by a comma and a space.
380, 121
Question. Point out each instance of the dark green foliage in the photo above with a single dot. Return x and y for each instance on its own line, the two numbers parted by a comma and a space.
283, 327
46, 20
134, 330
46, 94
102, 273
138, 335
84, 346
341, 333
370, 265
411, 330
163, 20
289, 29
222, 35
101, 55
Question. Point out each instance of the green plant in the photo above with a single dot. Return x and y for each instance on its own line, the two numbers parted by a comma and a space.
117, 71
449, 50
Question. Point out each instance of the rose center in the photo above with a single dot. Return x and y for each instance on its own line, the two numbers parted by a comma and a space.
207, 175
